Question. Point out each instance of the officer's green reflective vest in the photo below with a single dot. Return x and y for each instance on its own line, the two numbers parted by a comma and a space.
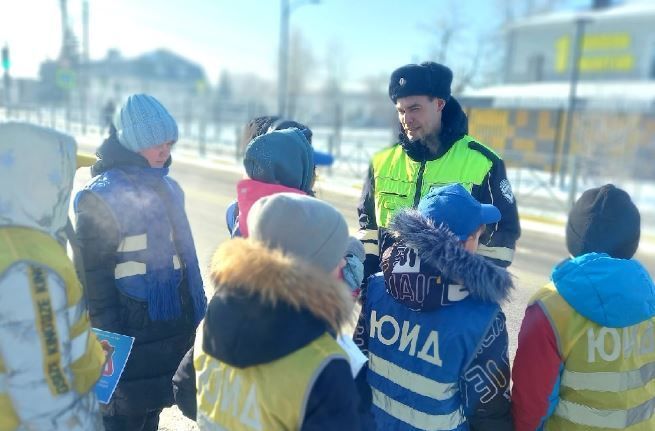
269, 396
400, 182
607, 381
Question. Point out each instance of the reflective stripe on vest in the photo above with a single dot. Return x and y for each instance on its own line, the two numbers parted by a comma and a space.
608, 381
412, 380
415, 418
614, 419
262, 397
396, 175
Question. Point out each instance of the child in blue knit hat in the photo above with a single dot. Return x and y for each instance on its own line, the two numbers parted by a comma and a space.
140, 261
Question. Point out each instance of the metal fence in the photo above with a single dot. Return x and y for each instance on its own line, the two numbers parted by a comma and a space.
605, 147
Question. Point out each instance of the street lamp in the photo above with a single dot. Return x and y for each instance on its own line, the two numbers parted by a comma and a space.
283, 61
580, 23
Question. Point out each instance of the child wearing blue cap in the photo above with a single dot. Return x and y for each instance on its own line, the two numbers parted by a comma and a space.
431, 322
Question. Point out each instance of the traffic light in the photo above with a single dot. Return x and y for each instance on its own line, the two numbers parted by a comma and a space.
5, 58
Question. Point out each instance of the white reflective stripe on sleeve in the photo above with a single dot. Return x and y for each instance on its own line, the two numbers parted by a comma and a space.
369, 238
613, 419
133, 243
500, 253
609, 381
410, 380
176, 262
367, 235
370, 248
78, 346
415, 418
127, 269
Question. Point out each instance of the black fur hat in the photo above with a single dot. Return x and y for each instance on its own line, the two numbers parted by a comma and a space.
428, 78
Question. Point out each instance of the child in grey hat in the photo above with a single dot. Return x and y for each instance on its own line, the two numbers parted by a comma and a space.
272, 325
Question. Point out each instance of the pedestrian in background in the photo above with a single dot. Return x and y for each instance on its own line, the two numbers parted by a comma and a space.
433, 150
50, 359
141, 268
266, 356
432, 325
586, 350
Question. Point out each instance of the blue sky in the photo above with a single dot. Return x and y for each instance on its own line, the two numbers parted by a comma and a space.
371, 37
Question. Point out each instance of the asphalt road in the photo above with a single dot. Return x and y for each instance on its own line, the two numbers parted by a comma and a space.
210, 189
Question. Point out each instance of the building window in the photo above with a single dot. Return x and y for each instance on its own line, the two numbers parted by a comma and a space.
536, 68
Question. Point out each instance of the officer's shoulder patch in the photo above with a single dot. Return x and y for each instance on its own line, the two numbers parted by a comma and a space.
486, 151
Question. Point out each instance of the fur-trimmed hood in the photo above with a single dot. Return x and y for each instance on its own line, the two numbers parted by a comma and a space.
454, 125
267, 304
441, 258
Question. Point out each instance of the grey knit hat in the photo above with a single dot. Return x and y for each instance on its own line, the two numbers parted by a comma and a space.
143, 122
302, 226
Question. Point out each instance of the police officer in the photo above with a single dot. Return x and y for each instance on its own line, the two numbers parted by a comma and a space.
433, 150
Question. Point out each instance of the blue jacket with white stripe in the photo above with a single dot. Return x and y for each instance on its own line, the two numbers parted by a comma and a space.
129, 247
437, 348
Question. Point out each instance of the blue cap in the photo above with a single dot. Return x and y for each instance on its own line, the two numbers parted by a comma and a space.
143, 122
323, 159
454, 206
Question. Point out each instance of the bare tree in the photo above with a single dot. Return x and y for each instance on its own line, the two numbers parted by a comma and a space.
462, 51
301, 63
333, 93
380, 111
517, 9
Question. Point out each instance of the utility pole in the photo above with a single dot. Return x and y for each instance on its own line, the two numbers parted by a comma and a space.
283, 55
567, 166
283, 58
6, 64
84, 66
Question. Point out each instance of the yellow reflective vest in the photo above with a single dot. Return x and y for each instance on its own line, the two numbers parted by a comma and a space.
71, 365
608, 380
269, 396
400, 182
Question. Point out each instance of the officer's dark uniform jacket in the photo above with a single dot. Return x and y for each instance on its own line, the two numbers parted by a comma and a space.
437, 349
265, 357
141, 272
399, 176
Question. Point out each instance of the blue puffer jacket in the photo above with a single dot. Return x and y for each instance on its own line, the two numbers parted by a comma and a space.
142, 275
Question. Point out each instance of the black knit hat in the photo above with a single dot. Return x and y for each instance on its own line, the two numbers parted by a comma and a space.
425, 79
604, 220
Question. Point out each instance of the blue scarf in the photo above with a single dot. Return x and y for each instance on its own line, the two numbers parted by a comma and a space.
164, 295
